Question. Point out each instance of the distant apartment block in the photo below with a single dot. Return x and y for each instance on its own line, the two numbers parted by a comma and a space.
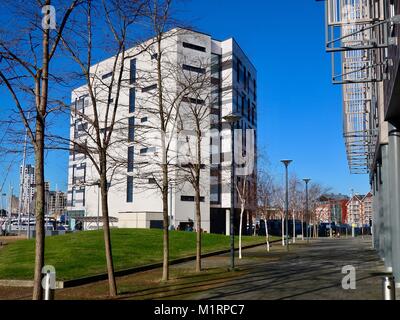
138, 204
359, 209
332, 208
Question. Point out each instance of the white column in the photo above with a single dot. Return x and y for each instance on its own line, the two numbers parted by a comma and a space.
227, 221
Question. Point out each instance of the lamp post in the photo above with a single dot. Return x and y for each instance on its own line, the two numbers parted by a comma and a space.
306, 180
286, 163
232, 118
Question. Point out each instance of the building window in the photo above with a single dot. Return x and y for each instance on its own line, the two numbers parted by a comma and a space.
193, 100
130, 159
193, 47
238, 67
144, 119
154, 56
147, 150
129, 189
152, 181
131, 129
194, 69
190, 199
132, 99
132, 71
107, 75
149, 88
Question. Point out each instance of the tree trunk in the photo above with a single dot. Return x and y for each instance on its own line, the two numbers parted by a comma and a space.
198, 227
302, 227
165, 275
39, 211
41, 103
112, 286
240, 230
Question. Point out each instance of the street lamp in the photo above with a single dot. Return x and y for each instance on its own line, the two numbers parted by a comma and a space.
307, 180
232, 118
286, 163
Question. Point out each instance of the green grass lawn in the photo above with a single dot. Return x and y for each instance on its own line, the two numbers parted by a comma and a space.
81, 254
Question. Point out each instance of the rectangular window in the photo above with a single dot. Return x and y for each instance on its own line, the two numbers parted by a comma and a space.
144, 119
154, 56
132, 76
149, 88
129, 189
190, 198
130, 159
193, 100
131, 129
193, 47
107, 75
194, 69
80, 104
152, 181
132, 99
245, 78
147, 150
238, 67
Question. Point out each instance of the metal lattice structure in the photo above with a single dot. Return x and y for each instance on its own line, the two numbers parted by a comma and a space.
356, 35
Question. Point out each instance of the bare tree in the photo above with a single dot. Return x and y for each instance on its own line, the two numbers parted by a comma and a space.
26, 56
100, 121
264, 200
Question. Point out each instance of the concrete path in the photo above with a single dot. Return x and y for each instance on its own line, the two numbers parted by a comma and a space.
312, 271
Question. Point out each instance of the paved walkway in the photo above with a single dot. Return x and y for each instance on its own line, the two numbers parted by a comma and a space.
310, 271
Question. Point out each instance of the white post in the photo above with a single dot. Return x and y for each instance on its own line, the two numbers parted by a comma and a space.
227, 222
266, 234
294, 227
283, 231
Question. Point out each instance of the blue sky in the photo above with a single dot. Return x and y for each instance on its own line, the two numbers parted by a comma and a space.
299, 110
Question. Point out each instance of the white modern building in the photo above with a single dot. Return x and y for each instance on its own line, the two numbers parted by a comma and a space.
134, 198
27, 183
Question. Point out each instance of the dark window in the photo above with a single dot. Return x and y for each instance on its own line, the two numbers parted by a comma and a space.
131, 129
132, 71
132, 99
149, 88
80, 104
130, 159
193, 47
238, 67
243, 103
190, 198
152, 181
193, 100
144, 119
154, 56
147, 150
245, 78
107, 75
129, 189
193, 69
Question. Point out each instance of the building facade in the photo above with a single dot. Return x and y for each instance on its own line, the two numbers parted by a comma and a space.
359, 209
332, 208
27, 183
369, 51
134, 198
